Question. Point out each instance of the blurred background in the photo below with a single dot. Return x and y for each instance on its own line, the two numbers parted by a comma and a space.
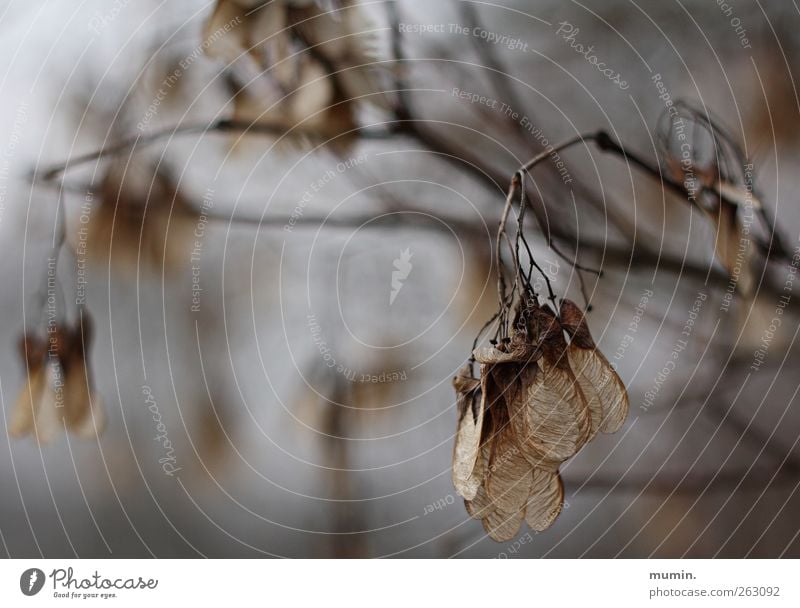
286, 252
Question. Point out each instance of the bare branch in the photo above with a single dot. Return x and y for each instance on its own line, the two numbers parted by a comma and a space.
223, 125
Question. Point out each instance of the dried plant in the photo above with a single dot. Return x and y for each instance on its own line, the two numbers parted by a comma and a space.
280, 84
537, 401
542, 389
698, 153
58, 391
140, 217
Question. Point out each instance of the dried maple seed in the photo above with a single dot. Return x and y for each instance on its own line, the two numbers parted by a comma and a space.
298, 65
58, 390
541, 400
604, 390
470, 422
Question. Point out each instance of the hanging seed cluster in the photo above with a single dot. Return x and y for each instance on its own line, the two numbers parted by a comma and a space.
542, 392
538, 400
58, 392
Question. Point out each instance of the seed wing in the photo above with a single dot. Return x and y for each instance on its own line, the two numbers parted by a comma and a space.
546, 499
604, 390
470, 402
508, 479
517, 402
467, 445
28, 403
475, 480
502, 526
480, 505
558, 419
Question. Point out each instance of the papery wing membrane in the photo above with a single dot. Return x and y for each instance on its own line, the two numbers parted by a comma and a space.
605, 393
558, 420
546, 499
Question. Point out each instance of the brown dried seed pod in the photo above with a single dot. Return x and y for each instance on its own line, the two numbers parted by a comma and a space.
521, 422
604, 390
480, 505
546, 499
58, 389
476, 479
502, 526
558, 416
508, 479
28, 403
83, 411
32, 351
574, 323
141, 217
36, 410
516, 352
468, 435
547, 327
347, 40
279, 86
558, 422
537, 412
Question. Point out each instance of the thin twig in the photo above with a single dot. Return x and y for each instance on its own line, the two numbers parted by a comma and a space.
501, 231
223, 125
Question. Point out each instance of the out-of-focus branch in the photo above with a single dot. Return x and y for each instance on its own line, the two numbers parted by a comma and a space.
420, 219
468, 160
692, 485
410, 217
772, 250
223, 125
749, 433
496, 71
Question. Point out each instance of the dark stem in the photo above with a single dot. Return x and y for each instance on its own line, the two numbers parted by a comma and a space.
223, 125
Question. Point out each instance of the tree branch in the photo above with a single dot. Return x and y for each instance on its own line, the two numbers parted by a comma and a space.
223, 125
